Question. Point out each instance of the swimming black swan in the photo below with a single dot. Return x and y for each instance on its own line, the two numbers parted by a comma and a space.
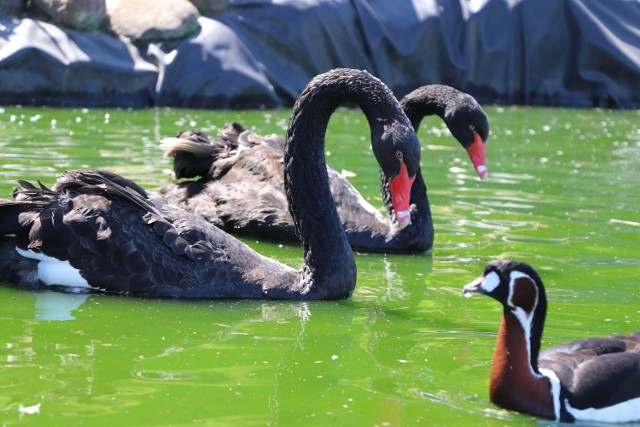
241, 188
98, 231
596, 379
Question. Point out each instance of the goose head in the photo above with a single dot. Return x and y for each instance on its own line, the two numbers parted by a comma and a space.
514, 284
519, 289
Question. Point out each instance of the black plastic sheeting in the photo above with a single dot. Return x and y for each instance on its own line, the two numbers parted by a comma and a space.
261, 54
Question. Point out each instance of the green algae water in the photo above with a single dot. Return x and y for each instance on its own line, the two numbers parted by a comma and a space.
407, 349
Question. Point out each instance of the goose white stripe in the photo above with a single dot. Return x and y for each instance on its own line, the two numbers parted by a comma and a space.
620, 412
555, 390
525, 319
52, 271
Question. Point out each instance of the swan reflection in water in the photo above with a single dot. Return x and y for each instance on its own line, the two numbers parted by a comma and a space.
52, 305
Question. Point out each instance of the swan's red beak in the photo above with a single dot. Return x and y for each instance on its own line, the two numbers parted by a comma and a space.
476, 154
400, 187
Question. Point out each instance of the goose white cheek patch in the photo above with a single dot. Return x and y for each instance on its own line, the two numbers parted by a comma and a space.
490, 282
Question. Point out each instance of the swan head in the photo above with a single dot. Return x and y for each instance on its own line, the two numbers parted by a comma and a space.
468, 124
400, 188
398, 154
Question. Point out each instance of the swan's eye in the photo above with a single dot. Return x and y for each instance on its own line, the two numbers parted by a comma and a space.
399, 155
472, 128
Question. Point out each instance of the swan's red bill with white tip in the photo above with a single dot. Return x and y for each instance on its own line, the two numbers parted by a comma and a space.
476, 153
400, 188
593, 379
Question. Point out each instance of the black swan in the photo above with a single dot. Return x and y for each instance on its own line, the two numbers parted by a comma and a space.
241, 188
594, 379
95, 230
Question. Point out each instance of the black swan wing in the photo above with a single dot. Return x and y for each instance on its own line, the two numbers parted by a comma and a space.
119, 240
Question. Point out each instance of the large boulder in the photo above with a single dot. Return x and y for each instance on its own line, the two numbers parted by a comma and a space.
152, 19
44, 64
75, 14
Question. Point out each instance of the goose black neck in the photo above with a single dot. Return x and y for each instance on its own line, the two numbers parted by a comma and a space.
427, 101
537, 324
329, 260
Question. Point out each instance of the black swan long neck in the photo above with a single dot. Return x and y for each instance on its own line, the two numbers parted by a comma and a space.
431, 100
307, 185
425, 101
458, 110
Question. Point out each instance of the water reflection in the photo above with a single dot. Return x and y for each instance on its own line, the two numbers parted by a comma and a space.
52, 305
395, 280
243, 359
277, 362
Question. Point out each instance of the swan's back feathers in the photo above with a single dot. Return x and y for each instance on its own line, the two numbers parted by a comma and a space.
195, 152
123, 240
103, 183
250, 195
243, 192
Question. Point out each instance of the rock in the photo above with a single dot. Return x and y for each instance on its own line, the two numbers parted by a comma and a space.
152, 19
11, 7
76, 14
207, 7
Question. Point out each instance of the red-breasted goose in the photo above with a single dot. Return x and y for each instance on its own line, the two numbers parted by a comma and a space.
594, 379
96, 230
241, 189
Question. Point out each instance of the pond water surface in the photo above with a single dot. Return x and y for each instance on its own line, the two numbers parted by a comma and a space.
407, 349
